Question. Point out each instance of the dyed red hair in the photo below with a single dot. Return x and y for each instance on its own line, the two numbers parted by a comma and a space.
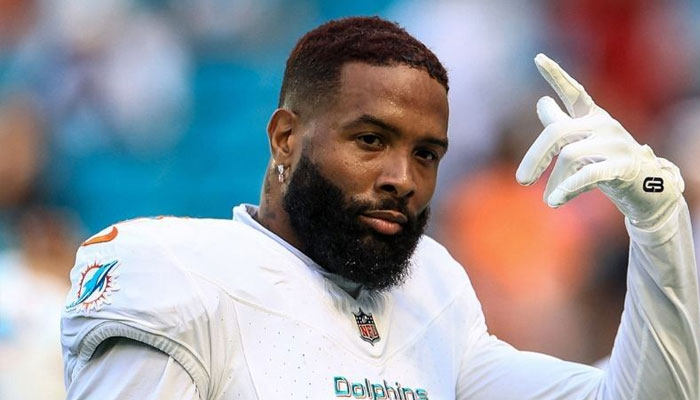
313, 67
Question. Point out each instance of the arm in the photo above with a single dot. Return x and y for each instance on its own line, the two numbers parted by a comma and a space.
125, 369
656, 353
657, 349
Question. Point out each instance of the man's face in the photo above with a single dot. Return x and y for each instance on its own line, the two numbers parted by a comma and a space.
365, 171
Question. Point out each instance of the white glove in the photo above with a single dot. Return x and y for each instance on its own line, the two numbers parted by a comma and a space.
595, 150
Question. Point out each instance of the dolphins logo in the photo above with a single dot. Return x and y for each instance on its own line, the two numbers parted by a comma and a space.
96, 283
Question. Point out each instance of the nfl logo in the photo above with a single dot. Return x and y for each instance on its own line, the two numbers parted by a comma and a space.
368, 330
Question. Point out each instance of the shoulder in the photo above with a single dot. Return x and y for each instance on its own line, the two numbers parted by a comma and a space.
164, 232
135, 279
139, 255
170, 244
149, 265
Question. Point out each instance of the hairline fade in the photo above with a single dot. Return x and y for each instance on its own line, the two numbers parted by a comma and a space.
313, 70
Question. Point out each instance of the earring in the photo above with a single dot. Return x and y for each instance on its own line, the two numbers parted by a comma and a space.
280, 172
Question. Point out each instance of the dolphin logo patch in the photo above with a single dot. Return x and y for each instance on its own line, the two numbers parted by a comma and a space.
97, 282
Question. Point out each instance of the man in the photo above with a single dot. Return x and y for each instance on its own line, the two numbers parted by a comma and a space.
329, 289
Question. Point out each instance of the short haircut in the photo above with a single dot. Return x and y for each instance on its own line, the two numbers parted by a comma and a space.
312, 74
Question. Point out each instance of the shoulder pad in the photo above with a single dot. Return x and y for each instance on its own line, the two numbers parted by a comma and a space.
126, 283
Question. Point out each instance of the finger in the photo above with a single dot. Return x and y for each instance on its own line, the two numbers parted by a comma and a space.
577, 102
571, 159
549, 111
546, 146
585, 179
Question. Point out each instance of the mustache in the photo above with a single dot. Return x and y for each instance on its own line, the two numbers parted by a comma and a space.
384, 204
359, 206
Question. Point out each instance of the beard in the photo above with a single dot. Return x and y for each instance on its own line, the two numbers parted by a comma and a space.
326, 222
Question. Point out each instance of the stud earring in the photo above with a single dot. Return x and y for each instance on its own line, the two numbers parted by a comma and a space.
280, 172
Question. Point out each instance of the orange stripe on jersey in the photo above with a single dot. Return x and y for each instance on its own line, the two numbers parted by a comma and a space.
102, 238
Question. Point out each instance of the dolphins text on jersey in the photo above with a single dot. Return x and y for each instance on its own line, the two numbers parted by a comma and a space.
376, 391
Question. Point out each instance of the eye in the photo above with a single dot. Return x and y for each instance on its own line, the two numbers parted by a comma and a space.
427, 155
370, 140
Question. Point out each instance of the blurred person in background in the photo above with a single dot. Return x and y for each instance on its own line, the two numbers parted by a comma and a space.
33, 262
23, 151
33, 252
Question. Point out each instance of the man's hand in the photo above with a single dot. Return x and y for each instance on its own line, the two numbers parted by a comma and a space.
596, 151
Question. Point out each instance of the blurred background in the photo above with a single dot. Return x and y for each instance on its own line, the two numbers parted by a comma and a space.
116, 109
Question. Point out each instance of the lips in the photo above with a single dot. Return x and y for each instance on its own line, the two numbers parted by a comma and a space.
387, 222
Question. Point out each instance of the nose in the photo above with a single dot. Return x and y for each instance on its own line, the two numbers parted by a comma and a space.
396, 178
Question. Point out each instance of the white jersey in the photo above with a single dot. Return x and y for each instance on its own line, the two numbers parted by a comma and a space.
247, 316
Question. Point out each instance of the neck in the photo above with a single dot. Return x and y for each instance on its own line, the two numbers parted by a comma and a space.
273, 217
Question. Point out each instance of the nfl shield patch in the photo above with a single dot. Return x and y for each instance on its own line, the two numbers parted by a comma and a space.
368, 330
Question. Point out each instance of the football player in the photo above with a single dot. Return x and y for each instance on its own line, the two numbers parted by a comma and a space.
329, 288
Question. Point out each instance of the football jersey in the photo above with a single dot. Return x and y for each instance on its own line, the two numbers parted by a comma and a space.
250, 317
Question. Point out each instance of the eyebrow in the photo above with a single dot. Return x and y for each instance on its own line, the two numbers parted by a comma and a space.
378, 122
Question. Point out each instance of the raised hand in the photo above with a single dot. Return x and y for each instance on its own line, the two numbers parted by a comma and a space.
594, 150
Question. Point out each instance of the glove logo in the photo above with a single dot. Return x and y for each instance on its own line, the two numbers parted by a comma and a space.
653, 184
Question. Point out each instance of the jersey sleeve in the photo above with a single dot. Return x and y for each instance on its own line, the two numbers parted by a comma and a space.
657, 349
125, 369
126, 283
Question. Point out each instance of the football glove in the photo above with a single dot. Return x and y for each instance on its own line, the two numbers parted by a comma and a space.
594, 150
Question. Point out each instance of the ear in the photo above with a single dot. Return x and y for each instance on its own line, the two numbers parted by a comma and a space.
281, 131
